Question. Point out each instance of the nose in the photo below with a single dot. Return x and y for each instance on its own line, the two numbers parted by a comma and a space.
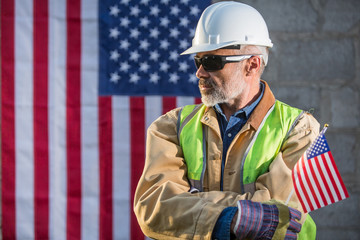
202, 73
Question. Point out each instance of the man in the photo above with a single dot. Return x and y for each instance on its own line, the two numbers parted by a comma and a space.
222, 169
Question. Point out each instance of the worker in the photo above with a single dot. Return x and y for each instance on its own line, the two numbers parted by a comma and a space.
222, 169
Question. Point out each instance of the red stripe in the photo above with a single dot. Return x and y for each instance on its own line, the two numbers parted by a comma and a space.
168, 103
7, 120
338, 174
73, 119
316, 180
297, 185
302, 186
321, 171
105, 142
198, 100
137, 128
41, 151
312, 190
333, 183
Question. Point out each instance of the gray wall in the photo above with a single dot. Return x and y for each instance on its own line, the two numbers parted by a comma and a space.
315, 63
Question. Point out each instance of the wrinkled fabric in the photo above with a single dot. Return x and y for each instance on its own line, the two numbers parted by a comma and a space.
163, 205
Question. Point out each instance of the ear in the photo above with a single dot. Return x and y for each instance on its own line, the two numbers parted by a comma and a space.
253, 65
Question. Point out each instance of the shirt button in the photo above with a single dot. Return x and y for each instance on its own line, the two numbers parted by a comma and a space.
229, 134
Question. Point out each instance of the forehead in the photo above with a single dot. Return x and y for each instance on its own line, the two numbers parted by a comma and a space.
220, 52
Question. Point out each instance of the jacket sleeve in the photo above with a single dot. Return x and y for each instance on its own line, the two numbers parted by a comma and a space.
277, 182
163, 206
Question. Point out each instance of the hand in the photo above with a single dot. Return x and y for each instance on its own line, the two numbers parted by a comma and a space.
259, 221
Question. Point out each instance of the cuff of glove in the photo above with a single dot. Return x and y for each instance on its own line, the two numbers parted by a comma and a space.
255, 220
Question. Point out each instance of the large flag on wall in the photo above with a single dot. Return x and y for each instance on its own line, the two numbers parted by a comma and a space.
81, 80
317, 181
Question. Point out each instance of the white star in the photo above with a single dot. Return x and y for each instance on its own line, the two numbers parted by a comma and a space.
174, 10
144, 22
114, 10
184, 21
154, 77
193, 78
114, 55
166, 2
134, 33
154, 55
134, 78
164, 66
186, 2
174, 55
164, 21
174, 78
154, 32
124, 22
114, 33
184, 44
154, 10
124, 44
126, 2
183, 66
114, 77
174, 32
144, 44
164, 44
145, 2
124, 66
135, 10
191, 32
134, 56
144, 67
194, 10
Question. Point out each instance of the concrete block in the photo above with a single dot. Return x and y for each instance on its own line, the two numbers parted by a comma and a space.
341, 16
304, 98
343, 107
331, 234
345, 148
293, 16
318, 59
343, 214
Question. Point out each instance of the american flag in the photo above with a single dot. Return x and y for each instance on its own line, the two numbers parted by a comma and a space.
317, 181
81, 82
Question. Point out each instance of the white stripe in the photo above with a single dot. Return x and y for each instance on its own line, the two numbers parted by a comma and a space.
89, 122
121, 167
313, 184
57, 120
333, 193
153, 106
298, 186
321, 182
24, 135
306, 185
183, 101
337, 181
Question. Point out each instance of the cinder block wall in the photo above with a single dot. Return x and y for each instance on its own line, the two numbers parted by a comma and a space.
315, 63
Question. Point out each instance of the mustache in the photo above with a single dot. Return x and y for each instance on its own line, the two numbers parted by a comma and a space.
207, 82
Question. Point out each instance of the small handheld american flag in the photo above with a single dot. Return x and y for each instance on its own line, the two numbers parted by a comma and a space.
316, 179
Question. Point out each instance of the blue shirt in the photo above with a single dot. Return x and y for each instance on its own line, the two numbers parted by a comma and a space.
229, 129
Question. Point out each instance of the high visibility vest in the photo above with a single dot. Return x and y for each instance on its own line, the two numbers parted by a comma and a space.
263, 148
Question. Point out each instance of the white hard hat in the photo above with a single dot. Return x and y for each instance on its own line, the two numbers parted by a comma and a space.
225, 24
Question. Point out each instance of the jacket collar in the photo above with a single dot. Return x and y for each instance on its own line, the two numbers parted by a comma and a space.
266, 102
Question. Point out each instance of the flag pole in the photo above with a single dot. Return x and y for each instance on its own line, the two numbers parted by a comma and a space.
293, 189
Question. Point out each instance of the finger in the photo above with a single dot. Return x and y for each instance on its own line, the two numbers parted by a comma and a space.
294, 213
294, 226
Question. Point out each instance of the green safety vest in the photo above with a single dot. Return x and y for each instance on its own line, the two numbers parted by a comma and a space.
263, 148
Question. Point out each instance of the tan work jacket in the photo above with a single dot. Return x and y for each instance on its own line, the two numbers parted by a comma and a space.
163, 205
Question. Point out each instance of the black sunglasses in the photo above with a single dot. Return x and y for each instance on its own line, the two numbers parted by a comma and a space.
213, 63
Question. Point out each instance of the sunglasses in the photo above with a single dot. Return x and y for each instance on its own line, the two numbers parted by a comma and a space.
213, 63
